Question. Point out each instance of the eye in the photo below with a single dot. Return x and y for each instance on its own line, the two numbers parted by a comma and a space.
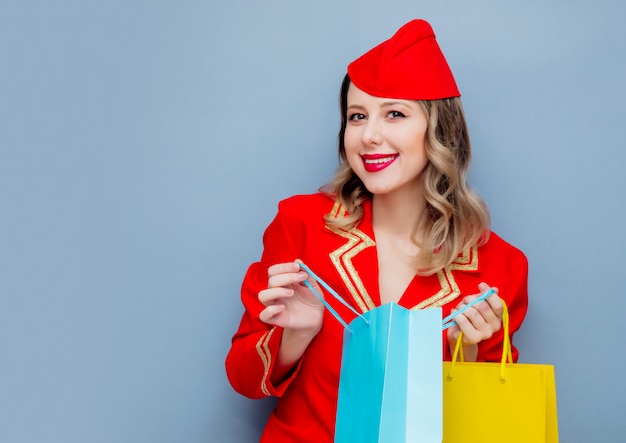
356, 116
395, 114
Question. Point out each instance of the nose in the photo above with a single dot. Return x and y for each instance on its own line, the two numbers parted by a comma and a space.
372, 133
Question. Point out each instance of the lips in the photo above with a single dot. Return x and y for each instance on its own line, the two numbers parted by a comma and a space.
377, 162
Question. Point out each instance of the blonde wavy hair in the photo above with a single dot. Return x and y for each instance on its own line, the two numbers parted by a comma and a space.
456, 217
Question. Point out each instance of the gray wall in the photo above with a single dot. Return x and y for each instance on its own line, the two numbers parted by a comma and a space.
144, 146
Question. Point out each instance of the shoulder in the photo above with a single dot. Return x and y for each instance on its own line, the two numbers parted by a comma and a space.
299, 221
306, 205
504, 266
498, 249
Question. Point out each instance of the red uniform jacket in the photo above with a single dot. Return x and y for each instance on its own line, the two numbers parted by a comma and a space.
347, 261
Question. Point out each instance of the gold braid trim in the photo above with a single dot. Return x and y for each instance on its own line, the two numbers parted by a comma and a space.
342, 257
262, 347
357, 241
466, 261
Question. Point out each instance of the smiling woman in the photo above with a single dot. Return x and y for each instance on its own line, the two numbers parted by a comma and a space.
397, 224
384, 144
442, 185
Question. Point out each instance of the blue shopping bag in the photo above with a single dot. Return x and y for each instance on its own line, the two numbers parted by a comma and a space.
390, 388
390, 385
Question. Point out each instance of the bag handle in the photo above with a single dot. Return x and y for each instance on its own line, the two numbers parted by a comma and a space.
334, 294
506, 347
447, 322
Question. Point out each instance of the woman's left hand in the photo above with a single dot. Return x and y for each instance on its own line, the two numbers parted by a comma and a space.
477, 323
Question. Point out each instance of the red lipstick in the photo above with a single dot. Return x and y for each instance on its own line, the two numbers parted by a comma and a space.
377, 162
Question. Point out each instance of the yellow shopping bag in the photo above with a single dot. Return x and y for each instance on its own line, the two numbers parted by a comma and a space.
498, 402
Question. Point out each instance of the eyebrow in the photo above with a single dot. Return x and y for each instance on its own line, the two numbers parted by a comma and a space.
386, 104
356, 107
382, 105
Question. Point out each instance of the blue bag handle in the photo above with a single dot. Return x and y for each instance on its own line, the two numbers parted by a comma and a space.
333, 293
447, 322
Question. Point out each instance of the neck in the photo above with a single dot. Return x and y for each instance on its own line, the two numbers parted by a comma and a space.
398, 214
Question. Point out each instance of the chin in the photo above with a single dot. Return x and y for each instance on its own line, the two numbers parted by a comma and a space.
378, 190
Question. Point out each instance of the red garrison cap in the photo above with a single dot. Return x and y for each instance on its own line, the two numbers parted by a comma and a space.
410, 66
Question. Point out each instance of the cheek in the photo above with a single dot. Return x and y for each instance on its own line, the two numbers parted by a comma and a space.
413, 141
353, 150
351, 140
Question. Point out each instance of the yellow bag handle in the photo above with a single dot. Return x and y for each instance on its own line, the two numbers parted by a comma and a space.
506, 347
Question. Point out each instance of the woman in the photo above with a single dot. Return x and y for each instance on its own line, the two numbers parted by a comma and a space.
398, 224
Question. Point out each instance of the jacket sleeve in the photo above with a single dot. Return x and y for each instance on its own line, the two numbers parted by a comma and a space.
255, 345
514, 292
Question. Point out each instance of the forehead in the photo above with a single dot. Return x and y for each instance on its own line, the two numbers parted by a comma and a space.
358, 97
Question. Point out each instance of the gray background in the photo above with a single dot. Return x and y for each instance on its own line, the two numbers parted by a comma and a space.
144, 146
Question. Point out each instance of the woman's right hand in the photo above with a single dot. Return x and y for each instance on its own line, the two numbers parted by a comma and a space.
288, 302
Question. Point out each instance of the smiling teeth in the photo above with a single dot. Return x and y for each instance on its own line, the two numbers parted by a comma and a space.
379, 160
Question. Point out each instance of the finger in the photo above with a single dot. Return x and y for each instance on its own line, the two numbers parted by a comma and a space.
283, 268
311, 280
485, 307
491, 307
286, 279
494, 300
269, 314
476, 317
484, 287
496, 305
470, 334
468, 299
271, 295
481, 323
312, 283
